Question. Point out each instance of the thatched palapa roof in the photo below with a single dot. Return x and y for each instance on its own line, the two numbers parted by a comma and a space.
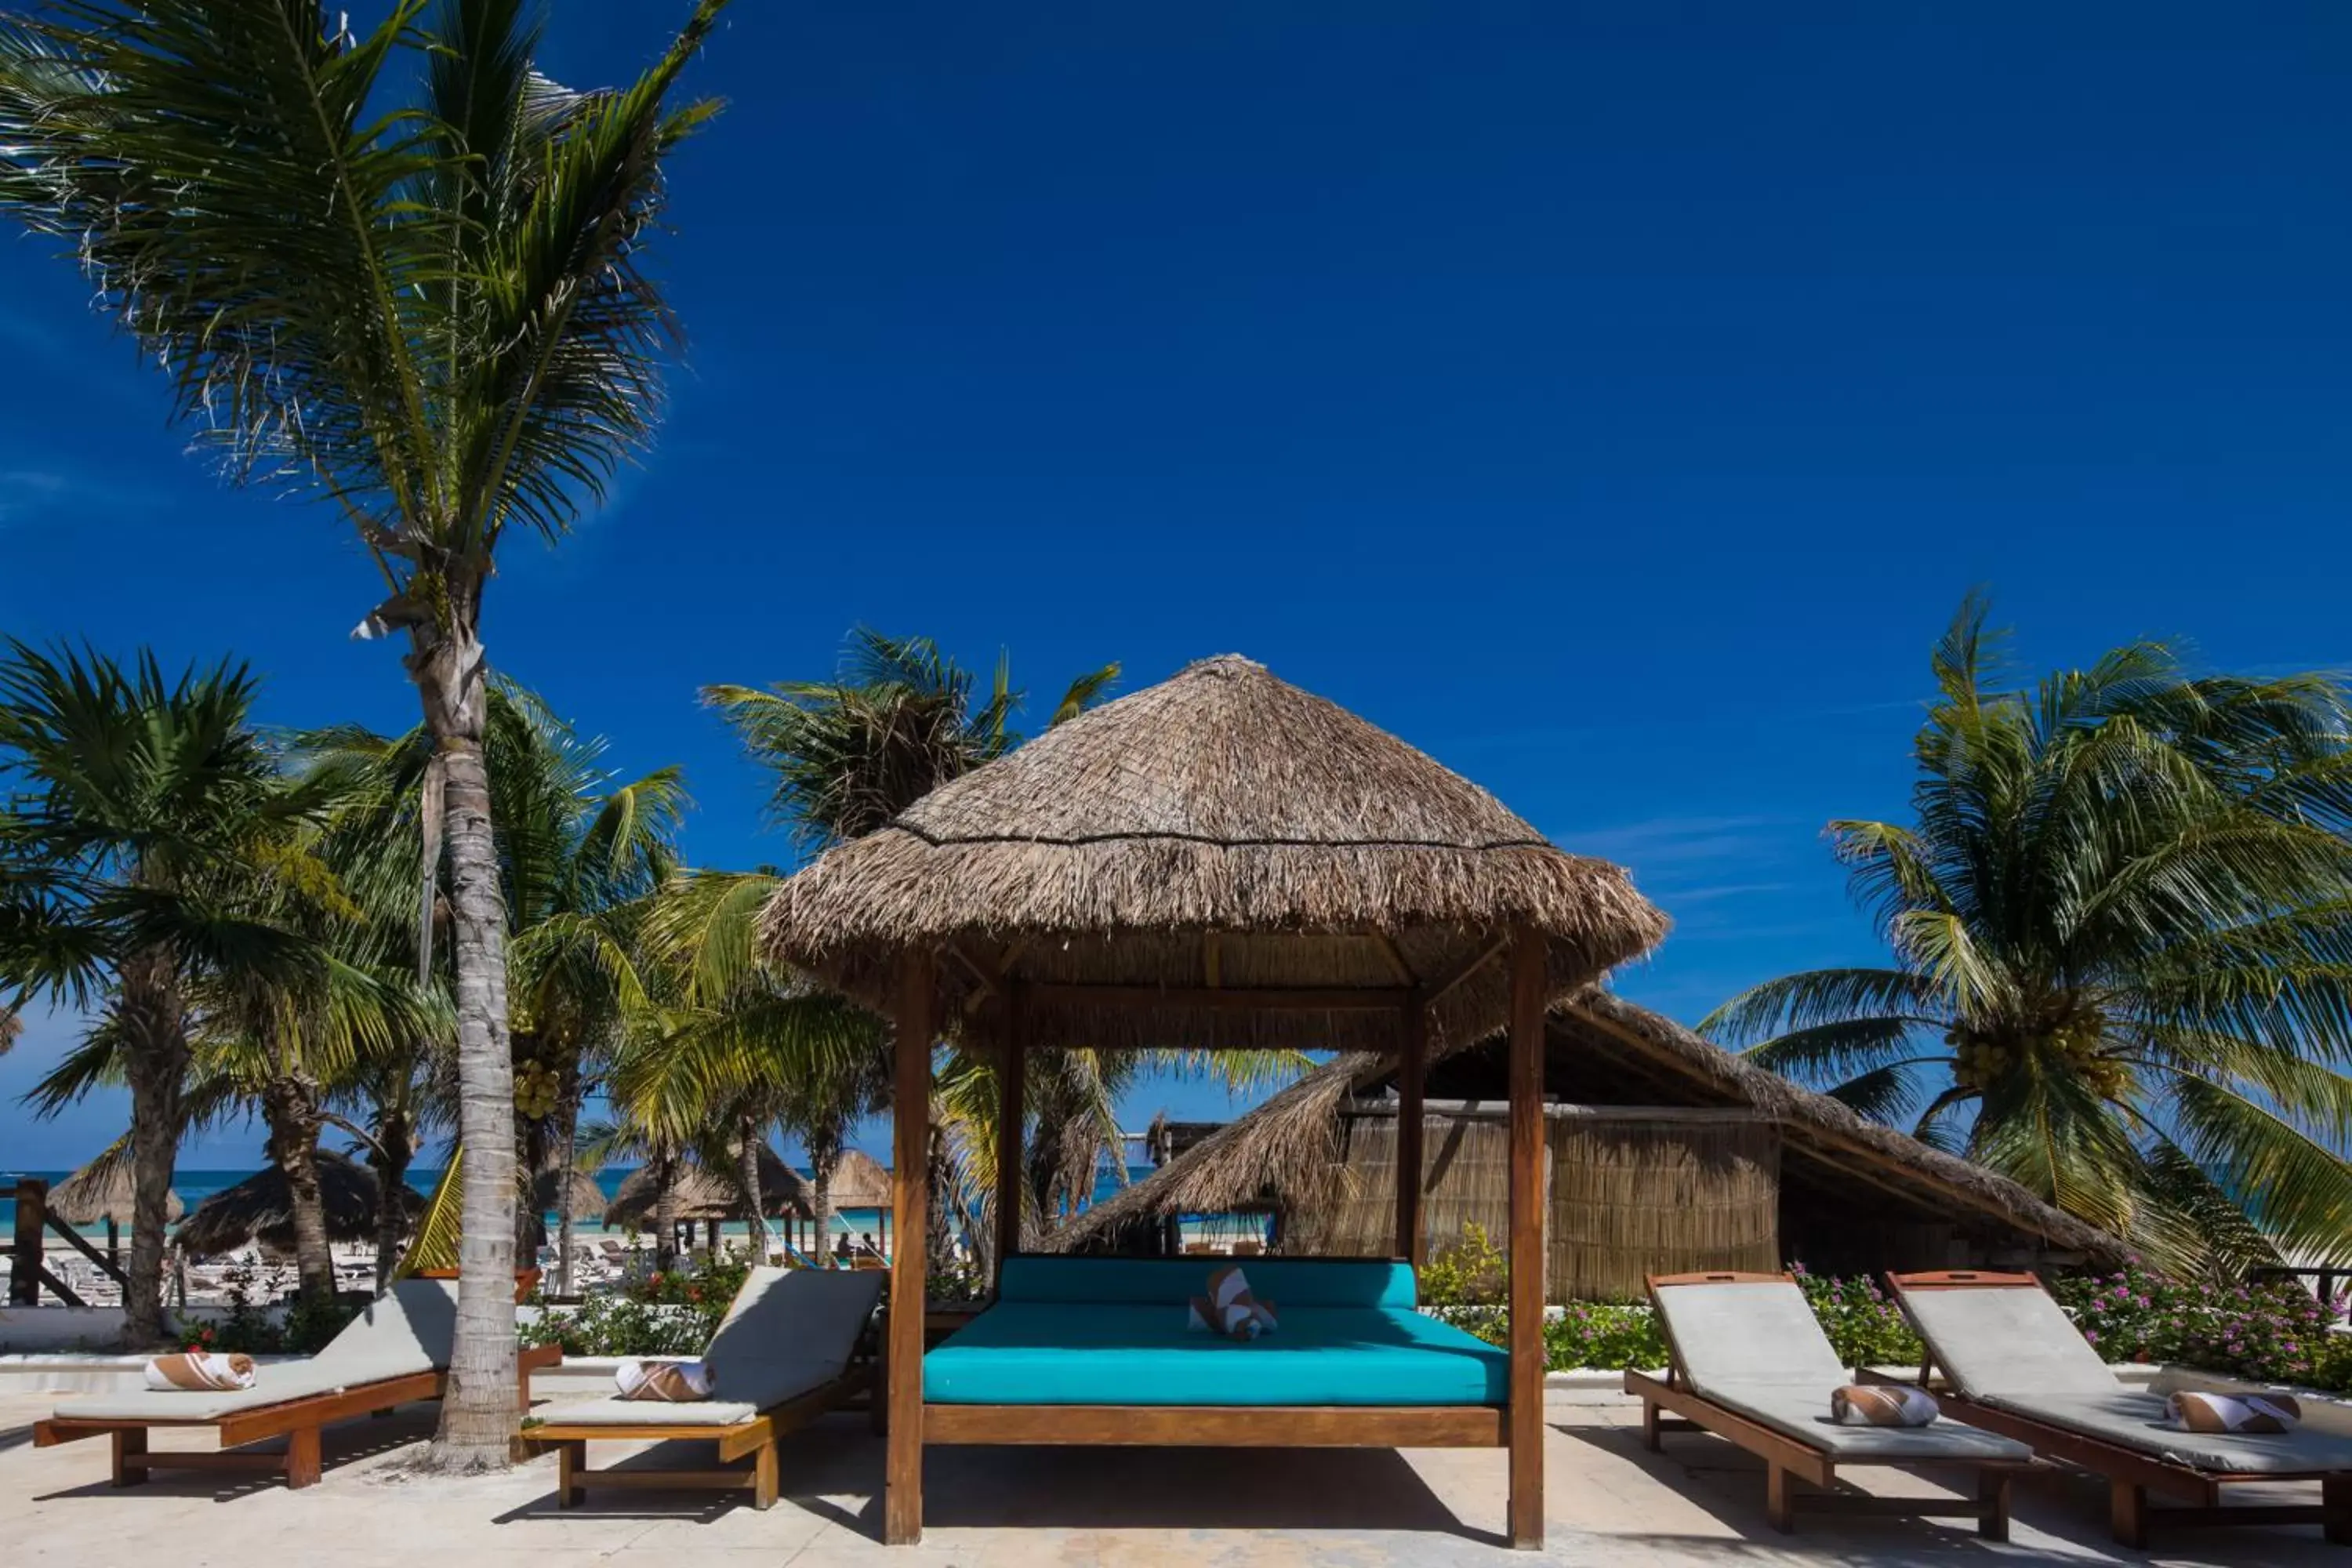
261, 1208
859, 1182
704, 1193
1222, 831
103, 1190
1284, 1150
566, 1189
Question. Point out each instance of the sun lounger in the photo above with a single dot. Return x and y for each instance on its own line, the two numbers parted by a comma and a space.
781, 1358
395, 1350
2015, 1365
1749, 1362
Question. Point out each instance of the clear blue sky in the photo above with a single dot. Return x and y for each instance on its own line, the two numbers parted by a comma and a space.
1614, 401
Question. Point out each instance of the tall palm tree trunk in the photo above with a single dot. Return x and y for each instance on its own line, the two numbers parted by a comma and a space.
395, 1147
289, 1107
478, 1420
747, 1172
824, 1155
665, 1211
155, 1040
569, 1128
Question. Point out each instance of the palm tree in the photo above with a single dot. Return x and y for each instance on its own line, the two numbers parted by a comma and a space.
2122, 930
580, 851
140, 803
427, 305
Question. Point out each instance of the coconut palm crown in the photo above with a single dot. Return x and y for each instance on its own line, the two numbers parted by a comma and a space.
2122, 930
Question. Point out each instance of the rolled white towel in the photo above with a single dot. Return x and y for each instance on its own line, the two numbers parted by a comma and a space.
665, 1381
200, 1371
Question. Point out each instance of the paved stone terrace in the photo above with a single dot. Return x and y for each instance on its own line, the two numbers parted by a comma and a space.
1610, 1503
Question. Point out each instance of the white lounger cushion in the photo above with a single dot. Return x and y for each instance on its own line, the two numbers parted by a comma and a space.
2006, 1340
1755, 1347
788, 1331
408, 1331
2136, 1420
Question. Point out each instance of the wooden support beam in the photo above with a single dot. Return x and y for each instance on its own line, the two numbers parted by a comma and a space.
25, 1277
1526, 1251
910, 1128
1393, 957
1287, 999
1011, 1111
1412, 1049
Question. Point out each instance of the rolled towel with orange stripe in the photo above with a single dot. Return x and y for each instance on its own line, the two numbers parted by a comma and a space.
1233, 1310
2260, 1414
1882, 1404
200, 1371
664, 1382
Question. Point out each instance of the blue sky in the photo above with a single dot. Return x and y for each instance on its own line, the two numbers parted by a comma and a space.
1614, 401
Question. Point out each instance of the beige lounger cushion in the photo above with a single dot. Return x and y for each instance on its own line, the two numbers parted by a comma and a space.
788, 1331
2136, 1420
408, 1331
2010, 1340
1755, 1347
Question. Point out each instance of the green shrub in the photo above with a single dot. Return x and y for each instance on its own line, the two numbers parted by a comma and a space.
1866, 1327
1471, 1272
671, 1313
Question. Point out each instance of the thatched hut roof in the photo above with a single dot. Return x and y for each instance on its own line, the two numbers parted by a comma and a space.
1284, 1150
1221, 831
261, 1208
566, 1189
705, 1194
102, 1190
859, 1182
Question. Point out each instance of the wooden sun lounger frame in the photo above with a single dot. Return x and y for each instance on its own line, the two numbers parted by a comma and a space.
756, 1437
2131, 1473
1789, 1459
299, 1421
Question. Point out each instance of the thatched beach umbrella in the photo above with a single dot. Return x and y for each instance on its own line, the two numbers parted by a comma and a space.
859, 1182
261, 1208
706, 1195
567, 1190
103, 1192
1220, 861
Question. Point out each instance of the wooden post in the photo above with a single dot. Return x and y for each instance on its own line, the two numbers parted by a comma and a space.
1012, 1108
1527, 1378
1413, 1043
24, 1278
910, 1129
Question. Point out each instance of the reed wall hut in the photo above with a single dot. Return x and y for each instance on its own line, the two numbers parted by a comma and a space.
1220, 861
1663, 1154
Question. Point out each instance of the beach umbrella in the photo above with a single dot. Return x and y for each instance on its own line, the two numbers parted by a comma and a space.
261, 1208
706, 1195
859, 1182
101, 1193
566, 1189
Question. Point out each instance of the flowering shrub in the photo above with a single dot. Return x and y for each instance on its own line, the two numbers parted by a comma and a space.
673, 1312
2275, 1331
304, 1328
1867, 1328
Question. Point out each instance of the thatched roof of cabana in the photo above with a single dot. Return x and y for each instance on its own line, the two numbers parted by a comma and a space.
704, 1193
1286, 1151
1221, 831
261, 1208
859, 1182
102, 1190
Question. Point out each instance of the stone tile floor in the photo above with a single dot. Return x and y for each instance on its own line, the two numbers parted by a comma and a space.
1610, 1503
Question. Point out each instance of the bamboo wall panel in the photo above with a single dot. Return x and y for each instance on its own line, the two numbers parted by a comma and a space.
1632, 1192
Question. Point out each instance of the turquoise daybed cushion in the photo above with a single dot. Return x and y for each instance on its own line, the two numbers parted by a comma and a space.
1068, 1331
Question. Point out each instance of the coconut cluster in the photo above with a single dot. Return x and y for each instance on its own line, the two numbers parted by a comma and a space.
2069, 1038
538, 1089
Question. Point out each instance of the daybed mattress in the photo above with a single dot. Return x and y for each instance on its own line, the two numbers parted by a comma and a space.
1091, 1353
